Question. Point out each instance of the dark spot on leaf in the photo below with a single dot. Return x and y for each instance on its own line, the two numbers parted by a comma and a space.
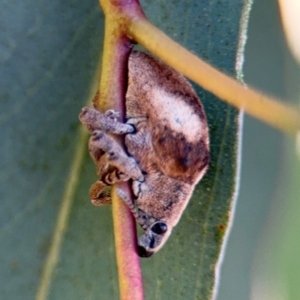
221, 227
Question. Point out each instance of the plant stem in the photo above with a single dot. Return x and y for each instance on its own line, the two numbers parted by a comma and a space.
117, 47
262, 107
256, 104
125, 21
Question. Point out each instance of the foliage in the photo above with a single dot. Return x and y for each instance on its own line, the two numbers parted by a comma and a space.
50, 55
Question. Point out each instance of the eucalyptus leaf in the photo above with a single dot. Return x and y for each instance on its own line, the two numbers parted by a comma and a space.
49, 55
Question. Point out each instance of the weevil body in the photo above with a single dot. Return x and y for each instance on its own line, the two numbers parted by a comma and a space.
167, 143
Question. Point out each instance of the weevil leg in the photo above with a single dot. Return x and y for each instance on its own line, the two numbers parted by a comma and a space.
100, 193
128, 202
113, 156
94, 120
112, 114
141, 217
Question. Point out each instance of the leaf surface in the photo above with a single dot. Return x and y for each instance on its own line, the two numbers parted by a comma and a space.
49, 54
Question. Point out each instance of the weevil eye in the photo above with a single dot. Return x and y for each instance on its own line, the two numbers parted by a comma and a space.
153, 239
142, 252
159, 228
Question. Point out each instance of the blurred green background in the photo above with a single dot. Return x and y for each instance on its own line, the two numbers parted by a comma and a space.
261, 260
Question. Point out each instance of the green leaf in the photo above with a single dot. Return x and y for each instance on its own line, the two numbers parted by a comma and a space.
49, 53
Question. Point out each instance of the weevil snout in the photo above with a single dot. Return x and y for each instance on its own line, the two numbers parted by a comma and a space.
153, 239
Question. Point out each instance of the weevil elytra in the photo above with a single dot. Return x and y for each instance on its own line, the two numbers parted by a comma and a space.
167, 148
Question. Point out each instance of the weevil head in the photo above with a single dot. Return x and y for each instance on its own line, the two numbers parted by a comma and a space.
153, 238
160, 202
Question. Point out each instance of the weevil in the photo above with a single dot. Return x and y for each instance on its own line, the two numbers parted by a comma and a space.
167, 148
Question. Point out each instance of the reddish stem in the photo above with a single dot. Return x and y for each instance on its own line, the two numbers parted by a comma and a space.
117, 47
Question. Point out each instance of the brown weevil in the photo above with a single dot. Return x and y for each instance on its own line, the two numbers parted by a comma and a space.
167, 148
